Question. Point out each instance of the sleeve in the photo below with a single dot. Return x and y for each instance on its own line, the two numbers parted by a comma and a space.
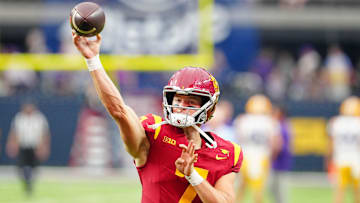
238, 158
147, 122
235, 159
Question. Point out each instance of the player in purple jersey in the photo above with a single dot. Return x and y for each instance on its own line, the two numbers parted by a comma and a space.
282, 161
176, 160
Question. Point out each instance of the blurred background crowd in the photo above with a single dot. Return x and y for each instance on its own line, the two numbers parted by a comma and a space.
297, 59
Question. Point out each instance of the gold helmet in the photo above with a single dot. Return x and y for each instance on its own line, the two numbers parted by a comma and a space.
258, 104
350, 106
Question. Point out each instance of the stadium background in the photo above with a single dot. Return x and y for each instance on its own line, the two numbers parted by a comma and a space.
251, 46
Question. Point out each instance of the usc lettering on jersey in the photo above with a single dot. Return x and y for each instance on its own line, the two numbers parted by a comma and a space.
160, 180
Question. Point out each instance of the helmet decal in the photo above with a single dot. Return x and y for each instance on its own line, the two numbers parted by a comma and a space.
215, 83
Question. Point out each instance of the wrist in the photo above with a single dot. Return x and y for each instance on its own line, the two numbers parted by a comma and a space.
194, 178
93, 63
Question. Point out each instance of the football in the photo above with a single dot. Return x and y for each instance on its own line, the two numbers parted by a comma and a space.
87, 19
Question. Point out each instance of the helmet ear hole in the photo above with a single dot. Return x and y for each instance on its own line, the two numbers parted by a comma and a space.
201, 116
210, 113
170, 97
204, 100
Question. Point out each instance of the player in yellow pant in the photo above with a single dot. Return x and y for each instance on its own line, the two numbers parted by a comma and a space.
254, 178
344, 136
347, 176
259, 135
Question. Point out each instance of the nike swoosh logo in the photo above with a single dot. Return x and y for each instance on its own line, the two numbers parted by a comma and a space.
220, 157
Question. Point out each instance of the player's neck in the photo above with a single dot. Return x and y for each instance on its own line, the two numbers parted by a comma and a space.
192, 134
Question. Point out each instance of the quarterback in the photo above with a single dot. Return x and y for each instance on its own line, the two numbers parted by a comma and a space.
175, 159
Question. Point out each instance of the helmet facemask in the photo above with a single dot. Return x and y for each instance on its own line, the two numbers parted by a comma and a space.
181, 120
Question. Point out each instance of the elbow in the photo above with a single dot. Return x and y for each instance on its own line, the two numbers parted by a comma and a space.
222, 200
227, 200
232, 200
221, 197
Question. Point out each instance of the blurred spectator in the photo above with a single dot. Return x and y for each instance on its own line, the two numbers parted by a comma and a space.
344, 136
245, 84
308, 63
127, 80
286, 63
355, 79
259, 135
276, 85
220, 124
338, 71
19, 78
66, 46
282, 162
150, 82
35, 41
64, 83
29, 141
293, 3
304, 76
53, 82
221, 69
4, 87
264, 64
280, 77
223, 72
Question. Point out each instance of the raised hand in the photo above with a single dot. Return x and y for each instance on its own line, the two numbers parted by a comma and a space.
185, 163
88, 48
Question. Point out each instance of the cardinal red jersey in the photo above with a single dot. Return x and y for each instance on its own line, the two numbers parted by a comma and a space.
161, 182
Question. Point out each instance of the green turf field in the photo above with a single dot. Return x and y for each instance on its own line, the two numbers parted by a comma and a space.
104, 191
306, 195
97, 191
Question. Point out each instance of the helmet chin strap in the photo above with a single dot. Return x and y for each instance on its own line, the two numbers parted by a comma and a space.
156, 125
212, 142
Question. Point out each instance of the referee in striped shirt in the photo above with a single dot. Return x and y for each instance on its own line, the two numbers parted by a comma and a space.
29, 142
